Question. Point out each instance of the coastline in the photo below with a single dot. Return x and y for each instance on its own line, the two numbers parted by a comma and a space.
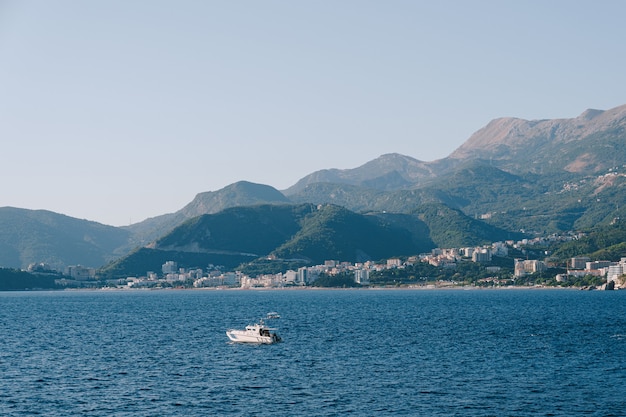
369, 288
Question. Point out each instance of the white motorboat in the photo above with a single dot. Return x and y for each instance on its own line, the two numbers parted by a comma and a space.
273, 315
254, 333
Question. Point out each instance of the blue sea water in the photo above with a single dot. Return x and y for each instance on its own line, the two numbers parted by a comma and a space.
364, 352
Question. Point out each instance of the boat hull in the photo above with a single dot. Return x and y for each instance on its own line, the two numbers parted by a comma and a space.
257, 333
240, 337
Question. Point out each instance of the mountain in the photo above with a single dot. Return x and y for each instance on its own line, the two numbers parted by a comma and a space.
513, 176
230, 237
607, 242
533, 203
242, 193
353, 197
250, 230
474, 188
450, 228
387, 172
333, 232
17, 280
590, 143
307, 233
40, 236
542, 176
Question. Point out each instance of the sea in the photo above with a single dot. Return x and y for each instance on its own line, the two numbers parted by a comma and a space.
362, 352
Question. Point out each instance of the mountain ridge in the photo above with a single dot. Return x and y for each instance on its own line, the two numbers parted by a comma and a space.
241, 193
42, 236
543, 176
507, 141
405, 170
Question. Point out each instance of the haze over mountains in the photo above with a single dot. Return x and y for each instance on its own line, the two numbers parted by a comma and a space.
511, 177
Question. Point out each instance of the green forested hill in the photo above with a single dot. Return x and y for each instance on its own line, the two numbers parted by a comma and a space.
533, 203
255, 230
450, 228
36, 236
16, 280
333, 232
607, 242
239, 194
229, 238
307, 233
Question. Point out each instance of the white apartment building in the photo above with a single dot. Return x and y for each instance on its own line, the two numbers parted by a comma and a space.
169, 267
362, 276
524, 267
615, 271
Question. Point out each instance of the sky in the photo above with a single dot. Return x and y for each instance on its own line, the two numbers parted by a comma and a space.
116, 111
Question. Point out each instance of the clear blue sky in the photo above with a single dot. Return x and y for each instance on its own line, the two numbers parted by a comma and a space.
116, 111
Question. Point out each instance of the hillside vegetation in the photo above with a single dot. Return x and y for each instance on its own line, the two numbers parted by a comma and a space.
40, 236
16, 280
242, 193
303, 234
334, 232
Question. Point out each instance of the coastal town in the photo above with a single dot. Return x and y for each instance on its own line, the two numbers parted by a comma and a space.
173, 275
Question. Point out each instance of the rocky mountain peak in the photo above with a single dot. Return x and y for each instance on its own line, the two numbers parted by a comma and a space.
525, 142
590, 114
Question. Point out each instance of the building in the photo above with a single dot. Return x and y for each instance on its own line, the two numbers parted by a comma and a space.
303, 276
592, 266
579, 262
500, 249
528, 267
290, 277
231, 278
393, 263
169, 267
467, 252
362, 276
484, 255
80, 273
614, 272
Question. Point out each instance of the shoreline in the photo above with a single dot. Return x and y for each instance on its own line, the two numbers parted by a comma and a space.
429, 287
381, 288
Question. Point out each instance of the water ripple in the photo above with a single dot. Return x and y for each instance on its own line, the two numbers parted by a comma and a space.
361, 352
